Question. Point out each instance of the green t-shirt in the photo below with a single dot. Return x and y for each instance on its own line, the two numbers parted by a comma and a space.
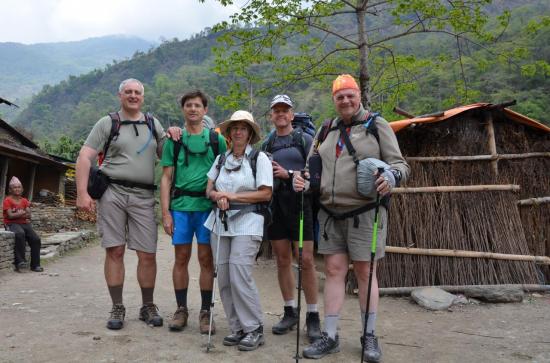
192, 177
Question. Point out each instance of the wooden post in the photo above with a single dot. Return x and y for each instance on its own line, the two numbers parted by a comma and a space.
544, 260
542, 154
492, 142
61, 187
457, 188
3, 175
533, 201
31, 182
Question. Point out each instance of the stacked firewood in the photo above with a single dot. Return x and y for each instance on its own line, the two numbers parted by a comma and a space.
85, 215
70, 192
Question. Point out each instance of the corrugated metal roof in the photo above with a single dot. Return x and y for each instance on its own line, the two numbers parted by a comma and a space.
517, 117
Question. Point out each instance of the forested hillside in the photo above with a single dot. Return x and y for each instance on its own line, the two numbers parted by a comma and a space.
25, 69
73, 106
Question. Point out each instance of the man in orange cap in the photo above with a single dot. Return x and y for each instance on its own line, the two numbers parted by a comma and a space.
347, 215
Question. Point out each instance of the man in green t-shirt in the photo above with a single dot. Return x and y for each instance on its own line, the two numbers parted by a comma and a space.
185, 207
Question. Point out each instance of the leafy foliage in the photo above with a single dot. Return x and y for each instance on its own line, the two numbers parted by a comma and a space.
65, 147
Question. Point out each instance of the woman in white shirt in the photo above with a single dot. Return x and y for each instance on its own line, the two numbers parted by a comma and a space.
238, 190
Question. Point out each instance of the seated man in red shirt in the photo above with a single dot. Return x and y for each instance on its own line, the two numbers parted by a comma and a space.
17, 215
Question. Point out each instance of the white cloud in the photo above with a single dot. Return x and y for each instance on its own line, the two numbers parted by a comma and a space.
35, 21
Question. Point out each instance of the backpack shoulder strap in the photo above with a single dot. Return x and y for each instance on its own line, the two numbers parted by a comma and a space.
371, 127
267, 145
323, 133
221, 161
177, 149
214, 142
113, 134
150, 120
299, 141
254, 161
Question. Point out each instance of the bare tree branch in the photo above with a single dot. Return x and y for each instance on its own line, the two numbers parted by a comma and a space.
348, 3
315, 26
462, 73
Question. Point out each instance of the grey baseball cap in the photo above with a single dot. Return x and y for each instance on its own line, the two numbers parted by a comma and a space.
281, 99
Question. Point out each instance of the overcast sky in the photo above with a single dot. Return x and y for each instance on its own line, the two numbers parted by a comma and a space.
38, 21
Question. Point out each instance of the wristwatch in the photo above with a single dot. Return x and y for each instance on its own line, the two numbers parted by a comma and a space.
290, 174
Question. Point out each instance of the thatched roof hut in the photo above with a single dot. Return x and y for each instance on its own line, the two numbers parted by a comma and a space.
480, 185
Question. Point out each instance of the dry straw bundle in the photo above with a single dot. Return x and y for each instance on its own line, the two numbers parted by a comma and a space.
469, 221
468, 150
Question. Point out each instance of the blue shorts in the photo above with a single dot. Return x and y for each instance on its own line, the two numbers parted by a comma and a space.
187, 224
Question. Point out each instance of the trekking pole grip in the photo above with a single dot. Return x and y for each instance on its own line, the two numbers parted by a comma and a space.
223, 218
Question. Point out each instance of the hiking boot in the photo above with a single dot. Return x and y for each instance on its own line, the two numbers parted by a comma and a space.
37, 269
234, 338
289, 320
116, 320
313, 326
371, 349
179, 320
150, 314
204, 322
322, 346
20, 266
252, 340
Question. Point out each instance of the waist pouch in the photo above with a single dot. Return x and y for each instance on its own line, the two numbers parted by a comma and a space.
367, 173
97, 183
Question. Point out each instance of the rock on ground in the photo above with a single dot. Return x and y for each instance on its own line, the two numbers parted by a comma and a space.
496, 294
433, 298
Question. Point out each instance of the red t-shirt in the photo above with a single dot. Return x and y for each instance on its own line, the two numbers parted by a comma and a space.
10, 203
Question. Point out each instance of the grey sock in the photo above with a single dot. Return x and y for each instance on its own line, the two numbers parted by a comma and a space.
331, 325
370, 324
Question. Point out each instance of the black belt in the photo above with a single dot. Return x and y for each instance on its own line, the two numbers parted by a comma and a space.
351, 214
131, 184
177, 192
245, 208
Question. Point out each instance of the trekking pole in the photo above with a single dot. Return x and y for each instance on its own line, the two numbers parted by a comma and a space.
371, 268
222, 219
300, 247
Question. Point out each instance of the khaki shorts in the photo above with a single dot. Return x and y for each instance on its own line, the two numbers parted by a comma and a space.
343, 237
126, 219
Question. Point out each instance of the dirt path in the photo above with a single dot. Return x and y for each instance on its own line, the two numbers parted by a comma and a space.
60, 315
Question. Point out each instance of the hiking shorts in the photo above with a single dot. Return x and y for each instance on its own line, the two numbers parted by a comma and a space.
189, 224
343, 237
127, 219
286, 217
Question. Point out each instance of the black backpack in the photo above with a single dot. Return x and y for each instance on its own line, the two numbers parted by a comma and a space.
297, 142
304, 121
116, 123
213, 142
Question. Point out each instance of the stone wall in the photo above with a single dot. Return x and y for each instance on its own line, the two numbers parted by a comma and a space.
7, 240
48, 218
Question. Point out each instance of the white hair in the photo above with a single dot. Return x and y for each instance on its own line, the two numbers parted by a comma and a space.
130, 80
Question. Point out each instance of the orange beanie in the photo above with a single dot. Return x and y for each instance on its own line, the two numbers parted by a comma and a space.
344, 81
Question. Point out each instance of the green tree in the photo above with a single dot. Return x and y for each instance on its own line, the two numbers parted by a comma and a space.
65, 147
347, 36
